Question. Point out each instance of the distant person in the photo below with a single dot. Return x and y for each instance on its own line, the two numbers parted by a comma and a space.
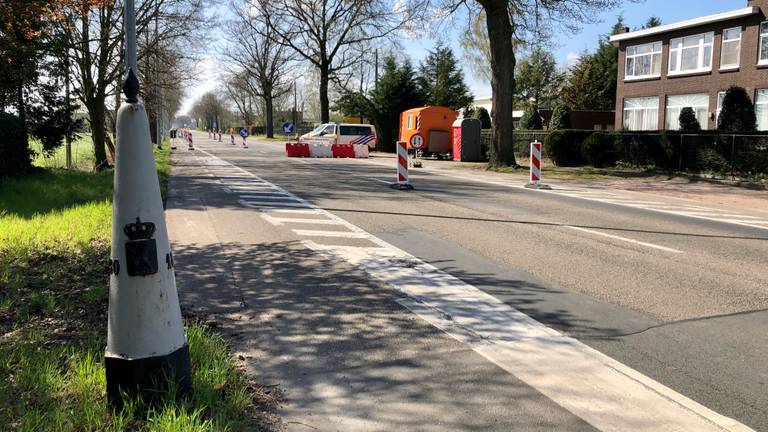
189, 141
219, 130
232, 135
244, 134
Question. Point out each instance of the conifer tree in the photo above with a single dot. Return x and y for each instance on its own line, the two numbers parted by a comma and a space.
442, 81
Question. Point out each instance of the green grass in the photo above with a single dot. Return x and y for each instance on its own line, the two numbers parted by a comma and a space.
55, 228
82, 154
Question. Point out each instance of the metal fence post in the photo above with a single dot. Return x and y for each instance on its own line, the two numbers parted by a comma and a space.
733, 155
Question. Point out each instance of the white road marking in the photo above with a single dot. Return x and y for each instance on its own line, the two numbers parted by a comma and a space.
629, 240
340, 234
292, 210
266, 193
259, 204
585, 195
278, 198
379, 180
600, 390
281, 221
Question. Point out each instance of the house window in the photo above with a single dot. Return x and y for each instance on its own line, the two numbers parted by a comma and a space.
763, 43
641, 113
729, 56
410, 122
720, 99
691, 54
761, 109
699, 103
643, 61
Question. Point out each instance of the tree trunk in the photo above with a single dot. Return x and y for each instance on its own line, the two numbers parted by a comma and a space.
97, 115
502, 81
325, 116
21, 106
270, 116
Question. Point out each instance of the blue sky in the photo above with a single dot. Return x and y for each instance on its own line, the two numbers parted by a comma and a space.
567, 45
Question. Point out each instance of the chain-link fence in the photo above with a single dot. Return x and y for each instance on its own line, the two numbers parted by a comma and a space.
707, 151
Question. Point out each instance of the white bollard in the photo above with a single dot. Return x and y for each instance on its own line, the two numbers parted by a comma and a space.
402, 167
146, 349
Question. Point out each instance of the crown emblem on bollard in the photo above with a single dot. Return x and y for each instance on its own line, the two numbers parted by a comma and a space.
141, 248
139, 230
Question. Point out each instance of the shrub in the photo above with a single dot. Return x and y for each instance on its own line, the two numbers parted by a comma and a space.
15, 156
597, 149
561, 117
482, 115
559, 146
738, 113
531, 119
688, 120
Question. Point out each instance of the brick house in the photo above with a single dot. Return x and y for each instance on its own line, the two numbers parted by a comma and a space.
691, 64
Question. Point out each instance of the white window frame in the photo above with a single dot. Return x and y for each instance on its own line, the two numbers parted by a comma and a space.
645, 115
730, 41
654, 52
719, 107
763, 29
676, 54
761, 107
675, 119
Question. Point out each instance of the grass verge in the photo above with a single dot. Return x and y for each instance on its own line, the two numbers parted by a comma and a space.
55, 228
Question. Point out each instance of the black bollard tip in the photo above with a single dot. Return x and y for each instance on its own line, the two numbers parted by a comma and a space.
131, 87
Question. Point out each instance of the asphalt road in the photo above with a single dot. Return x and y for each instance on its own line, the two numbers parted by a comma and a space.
673, 290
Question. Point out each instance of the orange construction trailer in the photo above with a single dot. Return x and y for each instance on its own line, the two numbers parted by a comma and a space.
432, 123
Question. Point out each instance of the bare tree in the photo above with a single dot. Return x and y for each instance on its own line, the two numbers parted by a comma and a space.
326, 33
509, 20
238, 90
265, 61
93, 31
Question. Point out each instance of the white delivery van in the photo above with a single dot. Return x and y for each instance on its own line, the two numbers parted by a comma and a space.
341, 133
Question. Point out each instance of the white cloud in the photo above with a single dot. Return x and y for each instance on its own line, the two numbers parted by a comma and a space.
208, 71
571, 59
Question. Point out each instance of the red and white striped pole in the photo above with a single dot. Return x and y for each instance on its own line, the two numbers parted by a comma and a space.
402, 167
536, 163
535, 180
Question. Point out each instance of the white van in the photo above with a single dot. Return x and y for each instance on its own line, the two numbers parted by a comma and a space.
341, 133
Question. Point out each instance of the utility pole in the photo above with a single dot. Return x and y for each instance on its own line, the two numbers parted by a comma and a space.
362, 78
158, 91
294, 106
147, 352
376, 68
68, 145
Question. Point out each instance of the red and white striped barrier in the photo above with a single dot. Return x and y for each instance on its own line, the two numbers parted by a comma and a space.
536, 163
535, 179
402, 167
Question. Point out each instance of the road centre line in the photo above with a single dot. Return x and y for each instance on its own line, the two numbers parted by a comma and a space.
615, 237
605, 393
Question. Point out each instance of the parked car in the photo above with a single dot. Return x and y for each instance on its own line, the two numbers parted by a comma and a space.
342, 133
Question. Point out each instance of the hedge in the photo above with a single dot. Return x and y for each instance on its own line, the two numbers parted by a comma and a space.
15, 155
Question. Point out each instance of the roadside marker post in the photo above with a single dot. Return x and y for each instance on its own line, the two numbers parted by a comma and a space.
402, 168
535, 170
147, 352
417, 142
